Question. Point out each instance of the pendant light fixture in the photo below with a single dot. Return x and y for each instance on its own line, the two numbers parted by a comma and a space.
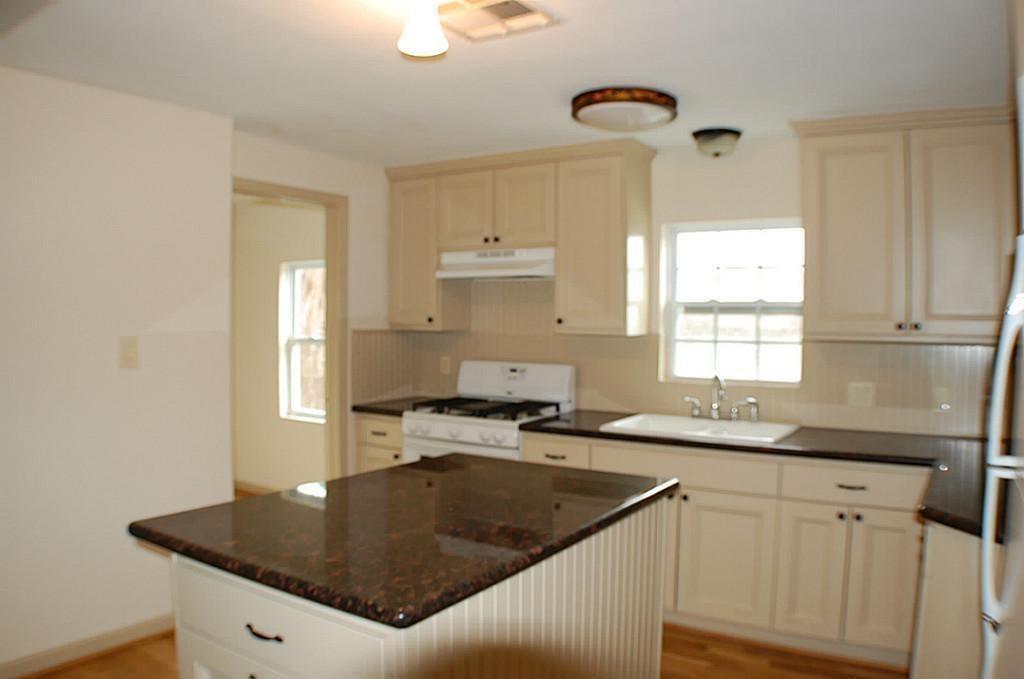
423, 36
624, 109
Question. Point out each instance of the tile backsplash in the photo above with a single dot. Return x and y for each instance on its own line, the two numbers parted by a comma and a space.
512, 320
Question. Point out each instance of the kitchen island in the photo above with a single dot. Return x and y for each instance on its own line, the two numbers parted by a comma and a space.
452, 565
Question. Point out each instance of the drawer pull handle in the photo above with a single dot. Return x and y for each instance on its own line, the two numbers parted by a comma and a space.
554, 457
846, 486
377, 432
261, 636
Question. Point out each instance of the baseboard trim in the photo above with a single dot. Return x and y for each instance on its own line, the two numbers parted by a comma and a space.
78, 651
863, 655
243, 490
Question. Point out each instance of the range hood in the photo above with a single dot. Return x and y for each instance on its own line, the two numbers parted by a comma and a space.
510, 263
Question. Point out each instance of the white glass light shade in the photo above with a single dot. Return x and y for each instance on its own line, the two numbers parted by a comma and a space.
423, 36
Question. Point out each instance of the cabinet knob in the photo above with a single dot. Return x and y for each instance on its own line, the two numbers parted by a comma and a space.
915, 326
841, 516
430, 319
396, 456
858, 517
497, 239
686, 498
901, 326
558, 320
487, 239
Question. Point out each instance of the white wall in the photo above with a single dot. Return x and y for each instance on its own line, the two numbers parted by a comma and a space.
367, 190
114, 220
269, 450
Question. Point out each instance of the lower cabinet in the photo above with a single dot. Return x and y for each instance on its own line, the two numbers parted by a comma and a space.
378, 442
200, 658
726, 556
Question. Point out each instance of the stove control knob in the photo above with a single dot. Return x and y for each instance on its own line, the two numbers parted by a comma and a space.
454, 433
486, 438
499, 438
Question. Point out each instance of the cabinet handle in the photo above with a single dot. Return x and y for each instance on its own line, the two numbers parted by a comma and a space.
901, 326
915, 326
252, 676
558, 320
375, 432
554, 457
261, 636
841, 516
858, 517
846, 486
430, 319
487, 239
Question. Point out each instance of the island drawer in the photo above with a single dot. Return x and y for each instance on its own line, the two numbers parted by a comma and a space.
270, 627
893, 486
556, 450
199, 658
380, 431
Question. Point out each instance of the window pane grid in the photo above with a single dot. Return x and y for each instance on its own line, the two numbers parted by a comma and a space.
302, 316
735, 304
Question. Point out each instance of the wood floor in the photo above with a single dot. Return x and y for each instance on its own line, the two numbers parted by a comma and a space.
686, 654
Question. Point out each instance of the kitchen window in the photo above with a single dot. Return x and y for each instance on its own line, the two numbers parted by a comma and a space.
302, 314
734, 295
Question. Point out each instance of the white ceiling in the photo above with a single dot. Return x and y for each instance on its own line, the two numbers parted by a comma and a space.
326, 74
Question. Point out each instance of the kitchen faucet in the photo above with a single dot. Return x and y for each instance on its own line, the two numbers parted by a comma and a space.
717, 396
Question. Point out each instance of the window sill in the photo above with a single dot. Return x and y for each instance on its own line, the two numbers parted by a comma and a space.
308, 419
747, 384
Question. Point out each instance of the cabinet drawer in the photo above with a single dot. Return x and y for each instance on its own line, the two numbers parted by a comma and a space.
200, 658
314, 641
695, 468
556, 450
380, 431
372, 458
855, 484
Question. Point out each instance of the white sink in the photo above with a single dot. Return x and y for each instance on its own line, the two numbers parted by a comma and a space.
699, 429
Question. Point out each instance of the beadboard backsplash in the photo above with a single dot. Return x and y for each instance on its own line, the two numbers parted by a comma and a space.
512, 320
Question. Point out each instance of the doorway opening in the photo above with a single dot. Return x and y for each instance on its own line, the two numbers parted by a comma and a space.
289, 346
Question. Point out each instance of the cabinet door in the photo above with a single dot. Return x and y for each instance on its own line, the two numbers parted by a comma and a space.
854, 206
413, 296
671, 553
884, 558
726, 556
590, 272
371, 458
812, 562
467, 210
962, 231
524, 199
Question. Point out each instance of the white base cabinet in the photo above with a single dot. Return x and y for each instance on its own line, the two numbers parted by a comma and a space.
817, 554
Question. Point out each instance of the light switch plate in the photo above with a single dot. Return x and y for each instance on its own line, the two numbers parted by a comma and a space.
128, 352
860, 394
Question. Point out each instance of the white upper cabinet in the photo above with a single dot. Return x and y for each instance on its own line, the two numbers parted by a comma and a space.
855, 221
467, 210
909, 230
962, 227
524, 206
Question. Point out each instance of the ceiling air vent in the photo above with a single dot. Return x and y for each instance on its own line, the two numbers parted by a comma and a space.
487, 19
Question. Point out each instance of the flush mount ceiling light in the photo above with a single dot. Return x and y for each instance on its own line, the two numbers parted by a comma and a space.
624, 109
423, 36
717, 141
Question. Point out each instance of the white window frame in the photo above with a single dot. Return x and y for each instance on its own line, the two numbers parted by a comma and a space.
288, 381
670, 308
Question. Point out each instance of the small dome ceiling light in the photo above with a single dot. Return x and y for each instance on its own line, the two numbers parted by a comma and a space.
423, 36
624, 109
717, 141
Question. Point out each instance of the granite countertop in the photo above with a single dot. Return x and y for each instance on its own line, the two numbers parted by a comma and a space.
954, 495
395, 406
400, 544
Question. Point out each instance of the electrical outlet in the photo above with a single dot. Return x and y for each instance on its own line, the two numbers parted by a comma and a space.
128, 352
860, 394
446, 365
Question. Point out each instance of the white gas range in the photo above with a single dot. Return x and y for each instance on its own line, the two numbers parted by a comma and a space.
494, 400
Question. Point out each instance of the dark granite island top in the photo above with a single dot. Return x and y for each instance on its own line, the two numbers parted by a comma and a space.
955, 491
398, 545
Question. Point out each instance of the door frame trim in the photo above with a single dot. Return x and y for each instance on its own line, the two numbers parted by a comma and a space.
336, 259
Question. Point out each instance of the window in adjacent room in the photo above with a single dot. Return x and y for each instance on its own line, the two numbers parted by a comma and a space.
302, 313
734, 296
